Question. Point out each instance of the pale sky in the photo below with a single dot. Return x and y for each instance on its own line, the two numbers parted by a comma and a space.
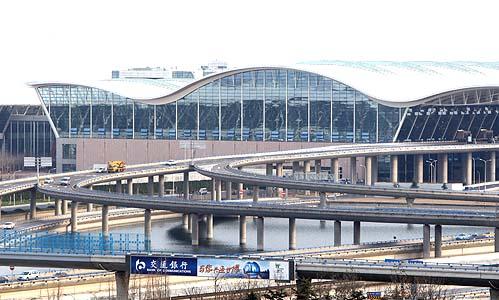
78, 40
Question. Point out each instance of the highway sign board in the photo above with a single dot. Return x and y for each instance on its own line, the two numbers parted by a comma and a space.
212, 267
43, 162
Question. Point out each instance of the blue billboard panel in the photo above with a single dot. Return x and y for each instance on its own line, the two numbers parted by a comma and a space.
167, 265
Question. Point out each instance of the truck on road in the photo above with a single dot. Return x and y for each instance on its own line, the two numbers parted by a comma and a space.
115, 166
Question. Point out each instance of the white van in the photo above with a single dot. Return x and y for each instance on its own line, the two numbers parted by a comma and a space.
28, 275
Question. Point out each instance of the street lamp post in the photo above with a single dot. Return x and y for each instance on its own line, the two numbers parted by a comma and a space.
432, 166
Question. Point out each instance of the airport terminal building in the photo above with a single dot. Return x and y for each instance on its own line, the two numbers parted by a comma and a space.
140, 118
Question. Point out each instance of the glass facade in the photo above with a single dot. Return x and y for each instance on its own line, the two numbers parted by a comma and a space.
263, 105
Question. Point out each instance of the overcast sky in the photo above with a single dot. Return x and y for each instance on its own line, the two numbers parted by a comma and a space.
75, 40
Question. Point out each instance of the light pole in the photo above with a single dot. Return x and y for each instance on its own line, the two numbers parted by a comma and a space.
432, 163
485, 161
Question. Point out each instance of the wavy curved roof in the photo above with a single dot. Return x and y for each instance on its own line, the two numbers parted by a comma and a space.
391, 83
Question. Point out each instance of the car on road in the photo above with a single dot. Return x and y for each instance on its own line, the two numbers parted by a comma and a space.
65, 181
203, 191
48, 180
487, 235
8, 225
463, 237
28, 275
4, 279
101, 170
170, 162
60, 274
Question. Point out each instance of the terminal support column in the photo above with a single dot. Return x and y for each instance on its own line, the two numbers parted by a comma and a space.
147, 229
492, 167
418, 169
438, 240
292, 233
260, 234
443, 168
74, 216
161, 185
394, 169
105, 220
368, 170
467, 168
353, 169
356, 232
242, 230
375, 170
32, 204
129, 186
337, 233
122, 284
335, 169
426, 241
195, 229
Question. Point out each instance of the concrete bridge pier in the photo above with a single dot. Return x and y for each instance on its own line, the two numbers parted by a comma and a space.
57, 203
209, 227
186, 185
147, 229
353, 169
64, 207
317, 169
335, 169
242, 230
218, 186
394, 170
260, 234
90, 207
32, 204
374, 176
129, 186
356, 232
426, 241
322, 204
438, 240
269, 171
337, 233
150, 186
492, 167
228, 190
467, 168
368, 170
161, 185
195, 230
185, 221
306, 171
443, 169
105, 221
292, 233
122, 284
119, 187
74, 216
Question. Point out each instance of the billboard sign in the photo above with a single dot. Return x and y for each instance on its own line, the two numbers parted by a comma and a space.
212, 267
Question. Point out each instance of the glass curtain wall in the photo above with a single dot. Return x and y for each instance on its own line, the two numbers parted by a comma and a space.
272, 104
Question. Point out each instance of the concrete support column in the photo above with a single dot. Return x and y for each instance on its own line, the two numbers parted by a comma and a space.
496, 239
90, 207
438, 240
322, 204
129, 186
122, 284
492, 167
242, 230
306, 171
467, 168
279, 170
218, 185
147, 229
150, 186
119, 187
240, 190
32, 204
161, 185
228, 189
213, 189
368, 170
269, 169
318, 166
209, 227
105, 220
418, 169
255, 193
394, 169
195, 230
426, 241
356, 232
443, 168
186, 185
337, 233
64, 207
374, 176
353, 169
296, 167
260, 234
292, 233
335, 169
74, 216
185, 221
57, 204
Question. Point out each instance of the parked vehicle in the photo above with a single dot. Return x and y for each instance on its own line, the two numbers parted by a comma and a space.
65, 181
487, 235
170, 162
28, 275
60, 274
8, 225
463, 237
203, 191
4, 279
115, 166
